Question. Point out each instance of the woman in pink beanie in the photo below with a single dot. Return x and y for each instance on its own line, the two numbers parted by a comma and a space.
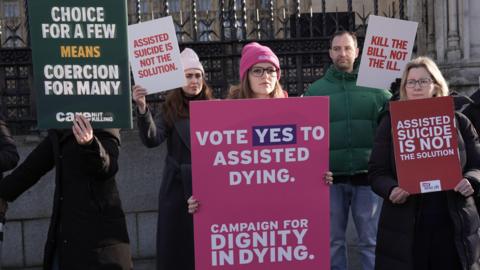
259, 74
175, 225
259, 78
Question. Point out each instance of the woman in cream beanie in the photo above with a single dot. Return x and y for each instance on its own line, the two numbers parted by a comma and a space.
175, 226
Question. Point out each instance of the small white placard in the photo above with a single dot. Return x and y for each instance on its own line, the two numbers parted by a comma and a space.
387, 49
430, 186
155, 56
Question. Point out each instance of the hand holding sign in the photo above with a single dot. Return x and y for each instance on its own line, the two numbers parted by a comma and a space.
398, 195
139, 94
464, 187
328, 177
193, 205
82, 130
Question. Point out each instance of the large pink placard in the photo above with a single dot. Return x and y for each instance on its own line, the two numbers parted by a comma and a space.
258, 169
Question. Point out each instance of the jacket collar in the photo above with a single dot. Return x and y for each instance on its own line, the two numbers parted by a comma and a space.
337, 75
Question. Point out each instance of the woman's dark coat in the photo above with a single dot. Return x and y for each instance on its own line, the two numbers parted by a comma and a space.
87, 228
175, 224
397, 221
473, 110
8, 152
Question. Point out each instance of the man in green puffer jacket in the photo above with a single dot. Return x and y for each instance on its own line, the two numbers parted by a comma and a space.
354, 111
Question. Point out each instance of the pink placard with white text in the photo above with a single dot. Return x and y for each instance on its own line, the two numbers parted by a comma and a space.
258, 168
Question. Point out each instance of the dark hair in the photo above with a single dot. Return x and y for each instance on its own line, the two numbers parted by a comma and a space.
176, 103
344, 32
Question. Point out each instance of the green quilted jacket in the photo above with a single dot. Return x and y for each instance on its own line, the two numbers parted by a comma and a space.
354, 112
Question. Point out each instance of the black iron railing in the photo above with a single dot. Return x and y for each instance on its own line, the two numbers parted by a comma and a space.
297, 34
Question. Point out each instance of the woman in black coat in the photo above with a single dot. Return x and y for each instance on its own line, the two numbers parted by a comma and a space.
175, 226
431, 231
87, 227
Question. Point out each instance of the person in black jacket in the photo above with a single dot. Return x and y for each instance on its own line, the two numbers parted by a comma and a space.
472, 111
175, 248
431, 231
87, 227
8, 157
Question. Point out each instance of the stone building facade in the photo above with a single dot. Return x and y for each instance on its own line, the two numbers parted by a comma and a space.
448, 32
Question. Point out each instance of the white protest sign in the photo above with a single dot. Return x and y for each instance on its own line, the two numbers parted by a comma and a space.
387, 49
155, 56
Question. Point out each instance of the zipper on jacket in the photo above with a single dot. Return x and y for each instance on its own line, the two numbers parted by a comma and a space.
349, 125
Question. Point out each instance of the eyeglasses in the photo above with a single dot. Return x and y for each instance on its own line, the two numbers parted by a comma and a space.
423, 83
190, 76
258, 71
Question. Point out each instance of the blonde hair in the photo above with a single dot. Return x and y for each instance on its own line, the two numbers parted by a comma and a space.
243, 90
440, 84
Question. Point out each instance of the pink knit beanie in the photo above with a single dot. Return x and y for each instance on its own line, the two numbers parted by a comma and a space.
190, 60
254, 53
